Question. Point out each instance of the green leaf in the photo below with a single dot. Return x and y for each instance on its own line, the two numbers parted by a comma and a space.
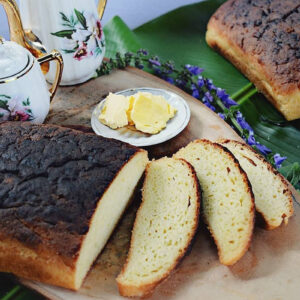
180, 35
80, 18
284, 140
292, 173
119, 38
64, 33
3, 104
67, 25
5, 96
98, 51
68, 51
64, 17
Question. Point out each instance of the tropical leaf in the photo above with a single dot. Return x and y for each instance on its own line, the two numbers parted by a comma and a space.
64, 33
80, 18
180, 36
292, 173
119, 38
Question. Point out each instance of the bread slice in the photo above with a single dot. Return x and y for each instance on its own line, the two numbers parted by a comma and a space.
62, 192
273, 199
261, 38
228, 201
165, 225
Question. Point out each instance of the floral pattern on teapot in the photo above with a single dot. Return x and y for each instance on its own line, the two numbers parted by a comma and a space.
82, 34
15, 108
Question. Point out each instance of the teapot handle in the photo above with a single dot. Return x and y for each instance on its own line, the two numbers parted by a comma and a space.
101, 8
54, 55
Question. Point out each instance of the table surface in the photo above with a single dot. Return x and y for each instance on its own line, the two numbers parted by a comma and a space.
134, 13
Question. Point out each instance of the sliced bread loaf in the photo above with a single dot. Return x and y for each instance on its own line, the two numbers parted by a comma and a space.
228, 201
273, 199
165, 225
62, 193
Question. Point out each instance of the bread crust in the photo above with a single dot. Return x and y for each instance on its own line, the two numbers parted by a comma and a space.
40, 264
273, 171
255, 54
30, 245
146, 290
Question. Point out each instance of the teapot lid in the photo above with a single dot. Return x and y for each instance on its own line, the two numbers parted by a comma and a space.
13, 58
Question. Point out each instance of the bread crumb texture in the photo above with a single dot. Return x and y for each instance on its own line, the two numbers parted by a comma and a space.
164, 227
273, 199
228, 202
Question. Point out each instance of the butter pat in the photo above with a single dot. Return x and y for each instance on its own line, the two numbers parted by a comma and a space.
114, 112
147, 112
150, 113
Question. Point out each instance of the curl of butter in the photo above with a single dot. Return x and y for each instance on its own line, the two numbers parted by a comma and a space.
147, 112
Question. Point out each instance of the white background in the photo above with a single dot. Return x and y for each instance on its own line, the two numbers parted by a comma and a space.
133, 12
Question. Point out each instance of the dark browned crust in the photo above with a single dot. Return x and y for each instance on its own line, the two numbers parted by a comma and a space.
262, 39
51, 180
249, 190
148, 289
273, 171
268, 30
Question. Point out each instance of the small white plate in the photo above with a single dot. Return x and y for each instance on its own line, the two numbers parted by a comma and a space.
131, 135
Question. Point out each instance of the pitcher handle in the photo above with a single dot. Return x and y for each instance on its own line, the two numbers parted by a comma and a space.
54, 55
101, 8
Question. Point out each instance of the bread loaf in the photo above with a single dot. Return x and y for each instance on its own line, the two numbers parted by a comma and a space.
261, 38
62, 193
228, 201
273, 199
165, 225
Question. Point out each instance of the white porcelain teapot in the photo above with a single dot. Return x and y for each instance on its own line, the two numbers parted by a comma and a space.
24, 94
71, 26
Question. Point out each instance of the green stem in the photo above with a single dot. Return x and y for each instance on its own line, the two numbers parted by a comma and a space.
241, 91
247, 96
12, 293
232, 119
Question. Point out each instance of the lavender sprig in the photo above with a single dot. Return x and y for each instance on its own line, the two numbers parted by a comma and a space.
189, 79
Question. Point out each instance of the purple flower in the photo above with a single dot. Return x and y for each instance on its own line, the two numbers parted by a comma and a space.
242, 122
194, 70
180, 83
222, 116
154, 61
143, 51
169, 67
251, 139
209, 84
209, 97
157, 72
200, 82
279, 160
208, 104
195, 91
168, 79
263, 149
224, 97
